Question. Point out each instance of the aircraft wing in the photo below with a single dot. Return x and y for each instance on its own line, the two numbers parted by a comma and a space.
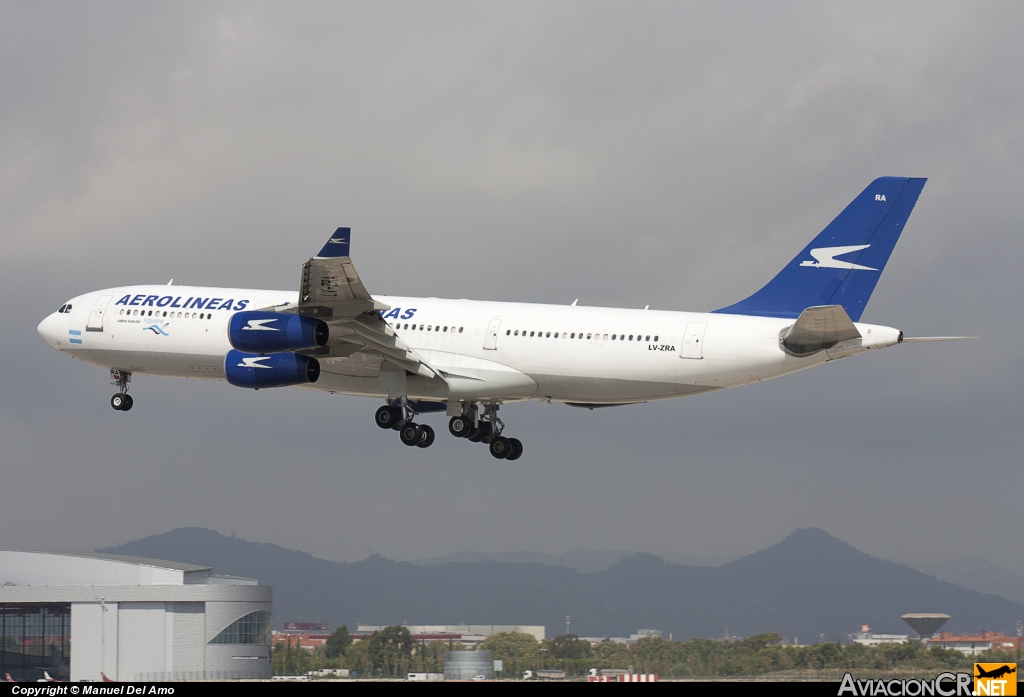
360, 340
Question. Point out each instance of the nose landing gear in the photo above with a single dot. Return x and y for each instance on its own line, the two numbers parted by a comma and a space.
122, 401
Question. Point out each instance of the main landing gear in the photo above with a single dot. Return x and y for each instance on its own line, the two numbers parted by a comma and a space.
400, 418
478, 428
122, 401
486, 429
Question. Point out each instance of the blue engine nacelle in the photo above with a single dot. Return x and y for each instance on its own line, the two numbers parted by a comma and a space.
271, 370
273, 332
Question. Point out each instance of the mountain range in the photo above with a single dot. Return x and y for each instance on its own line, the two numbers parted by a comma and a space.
586, 560
809, 584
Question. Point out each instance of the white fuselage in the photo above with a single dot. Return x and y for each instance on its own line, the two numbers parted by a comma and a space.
489, 352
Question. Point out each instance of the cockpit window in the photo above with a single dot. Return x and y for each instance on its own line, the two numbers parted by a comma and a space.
61, 310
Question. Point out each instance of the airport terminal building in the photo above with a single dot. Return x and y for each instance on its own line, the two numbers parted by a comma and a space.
82, 616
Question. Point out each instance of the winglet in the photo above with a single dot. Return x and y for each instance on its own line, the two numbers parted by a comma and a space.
338, 245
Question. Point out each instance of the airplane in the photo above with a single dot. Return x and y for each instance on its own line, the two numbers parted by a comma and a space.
994, 673
468, 358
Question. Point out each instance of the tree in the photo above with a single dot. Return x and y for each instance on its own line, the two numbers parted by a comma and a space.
390, 650
611, 654
569, 646
286, 659
338, 642
517, 650
357, 657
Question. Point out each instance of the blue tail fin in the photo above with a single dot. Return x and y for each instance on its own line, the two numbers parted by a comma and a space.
842, 264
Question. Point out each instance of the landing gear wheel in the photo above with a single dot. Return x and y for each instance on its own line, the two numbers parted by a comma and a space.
411, 433
426, 436
387, 417
501, 448
118, 401
128, 403
460, 426
517, 449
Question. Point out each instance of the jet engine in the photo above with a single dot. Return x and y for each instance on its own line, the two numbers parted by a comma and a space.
272, 332
270, 370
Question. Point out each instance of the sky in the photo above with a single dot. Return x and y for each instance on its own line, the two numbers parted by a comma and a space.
623, 153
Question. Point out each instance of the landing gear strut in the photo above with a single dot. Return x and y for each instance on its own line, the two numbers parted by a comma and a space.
486, 428
122, 401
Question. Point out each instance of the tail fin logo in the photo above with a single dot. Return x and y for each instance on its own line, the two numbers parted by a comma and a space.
825, 258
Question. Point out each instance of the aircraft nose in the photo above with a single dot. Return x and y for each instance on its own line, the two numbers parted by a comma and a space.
49, 329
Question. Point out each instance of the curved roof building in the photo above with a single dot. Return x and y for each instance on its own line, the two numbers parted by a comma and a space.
82, 616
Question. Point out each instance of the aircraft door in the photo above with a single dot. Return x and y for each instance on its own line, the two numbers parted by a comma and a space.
96, 316
693, 340
491, 339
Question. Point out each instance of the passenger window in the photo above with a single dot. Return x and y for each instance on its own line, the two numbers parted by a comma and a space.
508, 332
446, 328
613, 337
648, 338
120, 313
605, 336
531, 333
548, 335
460, 330
655, 339
517, 333
588, 335
573, 336
165, 314
630, 337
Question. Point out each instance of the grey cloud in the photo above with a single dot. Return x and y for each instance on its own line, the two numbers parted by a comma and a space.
625, 154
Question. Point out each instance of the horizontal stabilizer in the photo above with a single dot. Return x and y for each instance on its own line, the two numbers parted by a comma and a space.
819, 328
916, 339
